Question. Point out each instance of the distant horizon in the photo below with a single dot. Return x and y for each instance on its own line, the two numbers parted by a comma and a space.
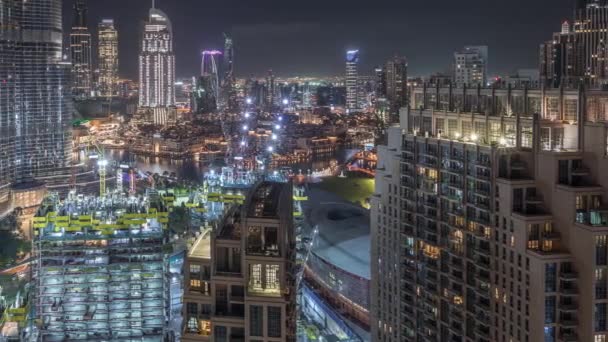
271, 34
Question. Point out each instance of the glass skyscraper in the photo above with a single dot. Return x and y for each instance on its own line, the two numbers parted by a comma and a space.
80, 50
157, 62
34, 97
108, 57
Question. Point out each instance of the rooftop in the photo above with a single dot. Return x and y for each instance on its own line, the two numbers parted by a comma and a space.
265, 200
344, 232
202, 246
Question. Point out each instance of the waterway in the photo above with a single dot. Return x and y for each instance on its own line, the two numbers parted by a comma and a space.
192, 170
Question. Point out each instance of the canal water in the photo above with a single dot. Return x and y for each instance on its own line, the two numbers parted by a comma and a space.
192, 170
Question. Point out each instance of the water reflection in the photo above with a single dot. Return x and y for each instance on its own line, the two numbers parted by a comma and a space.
192, 170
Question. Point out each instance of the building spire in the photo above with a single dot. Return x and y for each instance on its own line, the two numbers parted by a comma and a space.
153, 4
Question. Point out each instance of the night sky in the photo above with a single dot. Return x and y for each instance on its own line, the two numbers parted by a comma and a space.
309, 37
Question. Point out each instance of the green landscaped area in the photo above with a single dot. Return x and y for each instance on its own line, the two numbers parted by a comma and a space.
354, 189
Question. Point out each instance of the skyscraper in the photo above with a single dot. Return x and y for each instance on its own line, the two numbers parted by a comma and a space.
471, 66
271, 91
352, 80
35, 139
108, 57
157, 62
228, 61
591, 37
557, 58
80, 51
206, 92
493, 226
395, 73
240, 281
210, 69
228, 83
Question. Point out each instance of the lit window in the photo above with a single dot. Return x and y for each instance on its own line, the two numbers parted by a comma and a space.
272, 277
255, 277
195, 283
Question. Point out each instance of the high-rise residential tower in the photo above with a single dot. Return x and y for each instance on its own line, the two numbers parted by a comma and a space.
471, 66
489, 220
35, 115
240, 284
558, 58
80, 51
352, 80
157, 62
591, 38
395, 74
108, 58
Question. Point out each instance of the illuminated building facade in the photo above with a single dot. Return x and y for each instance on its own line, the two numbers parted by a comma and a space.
471, 66
80, 51
100, 271
239, 285
206, 93
591, 37
157, 62
108, 58
489, 219
271, 91
229, 96
395, 82
578, 53
35, 115
557, 58
352, 80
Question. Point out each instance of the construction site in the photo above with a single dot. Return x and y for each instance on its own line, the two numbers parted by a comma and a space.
100, 268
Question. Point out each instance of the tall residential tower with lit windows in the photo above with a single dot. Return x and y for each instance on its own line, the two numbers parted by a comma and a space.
471, 66
489, 221
240, 281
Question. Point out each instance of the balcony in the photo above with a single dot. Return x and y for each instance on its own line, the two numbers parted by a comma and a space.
594, 217
483, 331
230, 311
568, 291
569, 322
568, 306
568, 275
569, 337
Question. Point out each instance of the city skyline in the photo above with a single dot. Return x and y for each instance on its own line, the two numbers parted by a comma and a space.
313, 41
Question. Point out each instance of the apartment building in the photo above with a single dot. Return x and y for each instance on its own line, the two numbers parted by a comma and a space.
240, 284
489, 218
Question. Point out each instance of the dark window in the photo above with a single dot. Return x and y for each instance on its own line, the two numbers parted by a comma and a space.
274, 321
